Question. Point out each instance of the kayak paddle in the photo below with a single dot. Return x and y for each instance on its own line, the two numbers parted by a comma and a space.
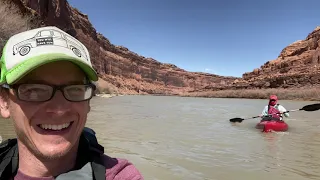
310, 107
241, 119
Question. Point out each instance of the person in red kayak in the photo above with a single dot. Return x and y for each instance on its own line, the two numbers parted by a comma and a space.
273, 111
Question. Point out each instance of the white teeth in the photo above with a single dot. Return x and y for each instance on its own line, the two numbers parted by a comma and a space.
54, 127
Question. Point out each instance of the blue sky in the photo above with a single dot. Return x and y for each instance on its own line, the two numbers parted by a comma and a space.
226, 37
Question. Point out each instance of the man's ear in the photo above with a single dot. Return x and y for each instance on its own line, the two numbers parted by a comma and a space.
4, 105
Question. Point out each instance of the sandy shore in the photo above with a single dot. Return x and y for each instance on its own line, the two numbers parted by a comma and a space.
107, 95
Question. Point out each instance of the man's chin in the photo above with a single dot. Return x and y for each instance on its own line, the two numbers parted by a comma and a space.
54, 151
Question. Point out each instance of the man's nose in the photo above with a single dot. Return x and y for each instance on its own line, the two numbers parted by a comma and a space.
58, 104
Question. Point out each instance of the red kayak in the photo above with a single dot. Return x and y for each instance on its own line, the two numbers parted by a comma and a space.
272, 125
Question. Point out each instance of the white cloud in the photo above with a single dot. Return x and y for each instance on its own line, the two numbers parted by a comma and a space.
209, 70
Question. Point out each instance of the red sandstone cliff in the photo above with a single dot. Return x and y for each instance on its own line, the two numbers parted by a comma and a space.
298, 65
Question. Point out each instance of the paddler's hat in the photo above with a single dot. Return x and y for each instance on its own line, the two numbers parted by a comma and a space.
273, 97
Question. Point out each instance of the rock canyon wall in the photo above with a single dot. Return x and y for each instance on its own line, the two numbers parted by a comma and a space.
126, 72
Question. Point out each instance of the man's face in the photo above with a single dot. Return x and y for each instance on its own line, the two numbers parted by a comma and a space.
50, 129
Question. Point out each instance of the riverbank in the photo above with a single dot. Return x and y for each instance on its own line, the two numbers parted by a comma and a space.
306, 94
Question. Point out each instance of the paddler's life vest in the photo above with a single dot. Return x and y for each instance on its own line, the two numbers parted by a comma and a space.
274, 114
89, 153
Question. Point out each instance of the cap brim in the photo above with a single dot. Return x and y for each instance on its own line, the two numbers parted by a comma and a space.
30, 64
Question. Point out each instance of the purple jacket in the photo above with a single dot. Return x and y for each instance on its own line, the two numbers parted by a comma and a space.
116, 169
120, 170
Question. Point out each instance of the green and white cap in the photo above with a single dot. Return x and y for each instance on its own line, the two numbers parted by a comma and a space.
28, 50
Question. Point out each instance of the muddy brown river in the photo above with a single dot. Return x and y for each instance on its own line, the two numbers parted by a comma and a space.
173, 138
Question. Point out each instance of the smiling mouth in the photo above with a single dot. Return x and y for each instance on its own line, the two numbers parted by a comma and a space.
55, 127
